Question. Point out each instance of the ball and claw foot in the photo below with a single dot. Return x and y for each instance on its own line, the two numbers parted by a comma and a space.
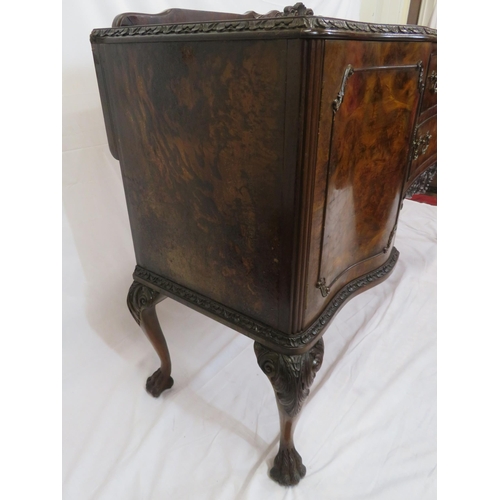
141, 301
157, 383
288, 468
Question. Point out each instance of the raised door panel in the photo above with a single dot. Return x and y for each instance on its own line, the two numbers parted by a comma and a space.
370, 99
370, 133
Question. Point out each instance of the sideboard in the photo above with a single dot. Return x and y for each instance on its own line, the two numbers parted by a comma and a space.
265, 159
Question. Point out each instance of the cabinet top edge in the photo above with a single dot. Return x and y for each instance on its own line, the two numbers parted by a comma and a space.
290, 27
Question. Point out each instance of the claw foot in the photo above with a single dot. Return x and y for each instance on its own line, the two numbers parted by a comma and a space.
288, 468
158, 382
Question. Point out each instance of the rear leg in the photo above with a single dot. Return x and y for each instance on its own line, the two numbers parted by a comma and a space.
141, 301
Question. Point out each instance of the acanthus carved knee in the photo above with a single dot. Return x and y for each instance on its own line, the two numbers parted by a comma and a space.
290, 375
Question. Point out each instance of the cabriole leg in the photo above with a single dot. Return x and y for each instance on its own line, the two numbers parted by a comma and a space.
291, 377
141, 301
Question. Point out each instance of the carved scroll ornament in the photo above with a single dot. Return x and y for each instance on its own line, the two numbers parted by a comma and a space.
139, 298
297, 17
258, 329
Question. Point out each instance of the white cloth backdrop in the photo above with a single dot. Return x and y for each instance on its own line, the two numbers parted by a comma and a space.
368, 430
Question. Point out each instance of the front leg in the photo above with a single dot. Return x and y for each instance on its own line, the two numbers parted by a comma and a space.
141, 301
291, 377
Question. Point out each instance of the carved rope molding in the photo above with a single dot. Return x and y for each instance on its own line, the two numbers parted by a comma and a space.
258, 329
284, 22
290, 375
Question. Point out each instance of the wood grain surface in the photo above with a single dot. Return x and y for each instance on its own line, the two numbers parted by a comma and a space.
362, 159
201, 139
254, 169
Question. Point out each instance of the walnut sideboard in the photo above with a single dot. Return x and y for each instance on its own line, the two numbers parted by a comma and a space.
265, 159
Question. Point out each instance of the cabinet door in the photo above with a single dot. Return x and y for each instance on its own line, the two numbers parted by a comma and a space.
370, 98
371, 127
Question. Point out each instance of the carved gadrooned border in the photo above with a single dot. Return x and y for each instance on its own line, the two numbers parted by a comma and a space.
309, 23
259, 330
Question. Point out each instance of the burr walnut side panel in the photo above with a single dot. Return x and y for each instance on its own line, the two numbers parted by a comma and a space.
207, 169
370, 98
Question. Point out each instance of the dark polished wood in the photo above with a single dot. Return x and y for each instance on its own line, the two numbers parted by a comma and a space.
370, 96
190, 16
175, 16
291, 378
265, 159
141, 301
